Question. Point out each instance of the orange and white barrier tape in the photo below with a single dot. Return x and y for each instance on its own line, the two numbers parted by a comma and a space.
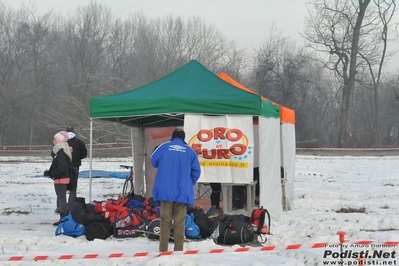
291, 247
163, 253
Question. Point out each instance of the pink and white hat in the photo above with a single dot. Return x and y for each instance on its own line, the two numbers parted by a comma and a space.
61, 136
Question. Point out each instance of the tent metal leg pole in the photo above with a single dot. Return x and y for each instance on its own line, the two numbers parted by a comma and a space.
143, 188
250, 200
131, 141
225, 196
91, 156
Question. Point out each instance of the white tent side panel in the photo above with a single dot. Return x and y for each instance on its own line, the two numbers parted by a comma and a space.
152, 138
289, 148
256, 146
270, 195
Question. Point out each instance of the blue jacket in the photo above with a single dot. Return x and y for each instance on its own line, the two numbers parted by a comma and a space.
178, 171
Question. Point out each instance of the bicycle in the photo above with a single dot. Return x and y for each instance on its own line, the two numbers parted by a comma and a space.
128, 186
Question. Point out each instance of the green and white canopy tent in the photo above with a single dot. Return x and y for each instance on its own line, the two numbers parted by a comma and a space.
193, 89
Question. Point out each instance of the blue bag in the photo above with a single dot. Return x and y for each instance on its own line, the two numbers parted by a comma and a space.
191, 229
69, 227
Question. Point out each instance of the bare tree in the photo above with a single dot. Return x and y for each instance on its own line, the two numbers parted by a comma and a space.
11, 58
287, 75
376, 56
180, 40
346, 31
26, 68
50, 67
82, 59
279, 71
39, 35
122, 55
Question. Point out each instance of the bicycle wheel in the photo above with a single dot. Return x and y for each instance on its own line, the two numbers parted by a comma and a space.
128, 187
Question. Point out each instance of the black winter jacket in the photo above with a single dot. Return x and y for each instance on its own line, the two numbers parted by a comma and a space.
59, 166
84, 215
79, 151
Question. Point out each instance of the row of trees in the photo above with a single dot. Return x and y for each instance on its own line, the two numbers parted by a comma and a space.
51, 65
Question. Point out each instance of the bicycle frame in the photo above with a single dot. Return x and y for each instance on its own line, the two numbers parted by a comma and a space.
128, 186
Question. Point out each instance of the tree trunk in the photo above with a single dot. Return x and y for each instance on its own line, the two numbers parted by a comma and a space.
376, 114
349, 85
346, 112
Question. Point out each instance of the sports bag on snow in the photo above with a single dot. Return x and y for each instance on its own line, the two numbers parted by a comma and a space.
235, 232
191, 229
233, 229
69, 227
99, 230
202, 220
154, 230
126, 223
257, 220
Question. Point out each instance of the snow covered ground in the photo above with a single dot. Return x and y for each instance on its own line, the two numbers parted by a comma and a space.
358, 195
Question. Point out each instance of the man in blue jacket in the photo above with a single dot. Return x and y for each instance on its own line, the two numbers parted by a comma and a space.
178, 172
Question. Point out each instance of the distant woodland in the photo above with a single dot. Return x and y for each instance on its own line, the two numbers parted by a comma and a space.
337, 81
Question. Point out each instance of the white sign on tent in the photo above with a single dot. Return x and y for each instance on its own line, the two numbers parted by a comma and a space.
225, 147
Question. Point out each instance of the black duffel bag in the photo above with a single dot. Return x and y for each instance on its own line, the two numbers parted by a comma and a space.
99, 230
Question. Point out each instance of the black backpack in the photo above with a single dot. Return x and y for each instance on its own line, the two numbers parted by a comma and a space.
99, 230
203, 221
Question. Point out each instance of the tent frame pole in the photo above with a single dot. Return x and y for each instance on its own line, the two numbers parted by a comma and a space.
131, 142
91, 157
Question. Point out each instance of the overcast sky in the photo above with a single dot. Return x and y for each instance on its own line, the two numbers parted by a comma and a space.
245, 21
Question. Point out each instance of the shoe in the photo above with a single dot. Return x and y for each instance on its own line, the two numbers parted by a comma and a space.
59, 221
57, 211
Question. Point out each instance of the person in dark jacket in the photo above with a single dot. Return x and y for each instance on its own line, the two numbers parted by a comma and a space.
79, 152
178, 172
59, 170
215, 195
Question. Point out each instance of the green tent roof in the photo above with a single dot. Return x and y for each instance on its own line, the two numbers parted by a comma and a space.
191, 89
